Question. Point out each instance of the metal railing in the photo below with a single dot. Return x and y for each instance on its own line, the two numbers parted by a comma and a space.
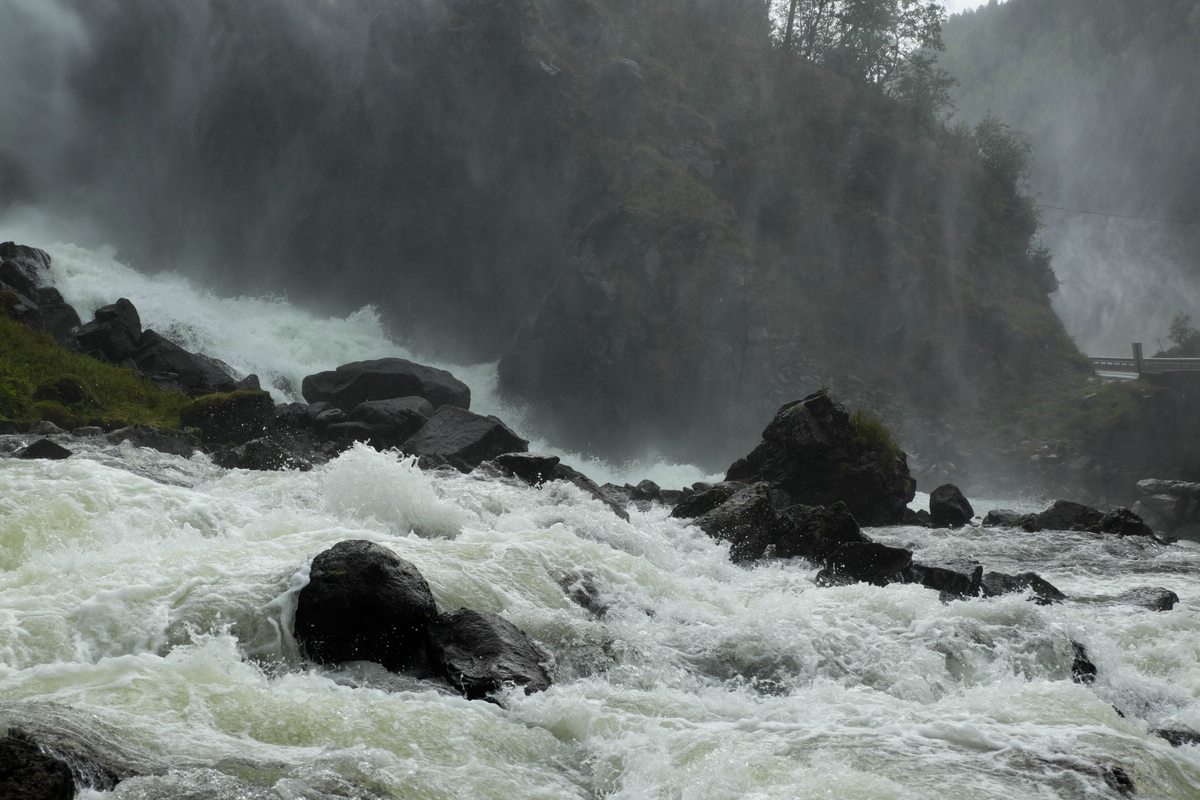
1139, 365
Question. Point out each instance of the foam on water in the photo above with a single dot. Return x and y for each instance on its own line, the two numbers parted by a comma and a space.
146, 604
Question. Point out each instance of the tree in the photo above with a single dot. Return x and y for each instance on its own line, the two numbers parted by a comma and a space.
1184, 337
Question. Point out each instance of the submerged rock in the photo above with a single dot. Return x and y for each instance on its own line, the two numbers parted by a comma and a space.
1178, 737
1082, 668
44, 449
1124, 522
178, 443
26, 773
576, 478
815, 454
365, 603
949, 582
948, 508
1154, 598
994, 584
265, 454
383, 379
479, 653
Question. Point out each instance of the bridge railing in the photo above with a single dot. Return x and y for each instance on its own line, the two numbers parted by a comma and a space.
1138, 365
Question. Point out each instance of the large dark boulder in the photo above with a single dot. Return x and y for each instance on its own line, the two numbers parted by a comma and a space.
44, 449
867, 562
463, 440
950, 582
1004, 518
948, 508
383, 423
231, 418
562, 472
168, 364
365, 603
26, 773
480, 653
1065, 515
533, 468
995, 584
1155, 598
1123, 522
1178, 737
115, 333
23, 268
747, 521
814, 532
705, 500
384, 379
59, 318
265, 454
814, 453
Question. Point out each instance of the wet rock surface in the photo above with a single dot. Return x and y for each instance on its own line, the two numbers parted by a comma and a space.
383, 379
948, 508
480, 653
27, 773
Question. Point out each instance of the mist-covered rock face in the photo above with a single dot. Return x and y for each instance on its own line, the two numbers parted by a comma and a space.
1107, 92
662, 230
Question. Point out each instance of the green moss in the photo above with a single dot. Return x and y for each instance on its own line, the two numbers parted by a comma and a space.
29, 359
871, 434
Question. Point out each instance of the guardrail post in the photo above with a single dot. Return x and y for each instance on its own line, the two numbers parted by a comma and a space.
1137, 357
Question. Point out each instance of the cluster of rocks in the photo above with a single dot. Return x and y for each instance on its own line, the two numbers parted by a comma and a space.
1065, 515
1170, 506
365, 603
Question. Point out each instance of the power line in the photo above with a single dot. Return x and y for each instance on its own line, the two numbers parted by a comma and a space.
1120, 216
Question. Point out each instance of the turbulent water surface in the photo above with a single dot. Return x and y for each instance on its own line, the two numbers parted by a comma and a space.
146, 605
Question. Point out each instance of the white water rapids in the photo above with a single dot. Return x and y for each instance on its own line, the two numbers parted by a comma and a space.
146, 601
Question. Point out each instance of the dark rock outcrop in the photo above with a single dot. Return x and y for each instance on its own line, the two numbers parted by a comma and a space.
1082, 668
1065, 515
384, 379
463, 440
583, 590
705, 500
1154, 598
114, 334
1123, 522
948, 508
479, 653
950, 582
264, 454
179, 443
365, 603
171, 367
1178, 737
812, 453
1004, 518
573, 476
747, 521
405, 415
533, 468
232, 418
995, 584
868, 562
26, 773
814, 532
44, 449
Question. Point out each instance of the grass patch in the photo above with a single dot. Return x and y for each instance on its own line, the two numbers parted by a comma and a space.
30, 359
871, 434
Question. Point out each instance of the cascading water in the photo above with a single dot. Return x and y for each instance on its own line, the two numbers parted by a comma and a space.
147, 604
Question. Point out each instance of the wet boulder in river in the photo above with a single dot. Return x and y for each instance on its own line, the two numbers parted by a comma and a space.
813, 452
44, 449
533, 468
1155, 598
230, 418
815, 531
384, 379
365, 603
463, 440
868, 562
995, 584
26, 773
479, 653
1004, 518
747, 521
705, 499
948, 508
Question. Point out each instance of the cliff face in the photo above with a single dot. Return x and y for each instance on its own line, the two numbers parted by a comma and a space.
663, 229
755, 229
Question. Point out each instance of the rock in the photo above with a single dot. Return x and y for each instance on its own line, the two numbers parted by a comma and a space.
920, 519
179, 443
647, 490
1178, 737
1117, 779
582, 589
45, 428
705, 500
1154, 598
533, 468
995, 584
59, 318
22, 253
813, 453
573, 476
383, 423
1162, 511
251, 381
384, 379
230, 418
1152, 486
1082, 668
747, 521
264, 454
948, 581
293, 417
381, 437
87, 431
44, 449
1004, 518
463, 440
193, 373
67, 391
869, 562
26, 773
479, 653
21, 277
114, 334
814, 532
1065, 515
1123, 522
365, 603
948, 508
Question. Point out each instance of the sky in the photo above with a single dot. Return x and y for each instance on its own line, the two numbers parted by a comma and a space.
954, 6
